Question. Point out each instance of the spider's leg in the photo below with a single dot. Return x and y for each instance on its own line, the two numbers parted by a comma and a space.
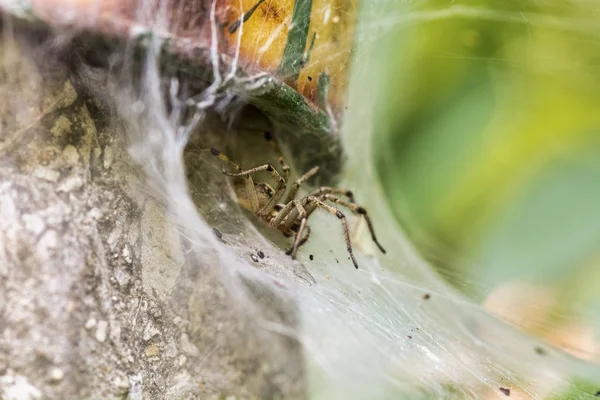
302, 241
275, 222
290, 213
250, 190
280, 186
302, 215
330, 190
358, 210
318, 193
296, 185
342, 217
284, 167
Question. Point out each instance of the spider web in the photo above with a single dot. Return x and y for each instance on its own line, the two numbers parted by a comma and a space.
393, 328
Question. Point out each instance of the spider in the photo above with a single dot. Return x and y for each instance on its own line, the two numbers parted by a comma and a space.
280, 208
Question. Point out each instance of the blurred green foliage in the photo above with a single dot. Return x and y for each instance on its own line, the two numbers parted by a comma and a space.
488, 139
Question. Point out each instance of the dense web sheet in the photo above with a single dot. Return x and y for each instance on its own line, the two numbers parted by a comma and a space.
392, 329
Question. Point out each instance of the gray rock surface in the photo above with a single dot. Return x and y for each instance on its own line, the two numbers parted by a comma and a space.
101, 295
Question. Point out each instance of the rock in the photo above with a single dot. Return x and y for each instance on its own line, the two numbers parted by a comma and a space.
101, 331
56, 374
149, 332
16, 387
96, 278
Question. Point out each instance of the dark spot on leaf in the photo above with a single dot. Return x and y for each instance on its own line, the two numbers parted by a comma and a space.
426, 296
506, 391
253, 257
540, 350
311, 257
234, 26
260, 254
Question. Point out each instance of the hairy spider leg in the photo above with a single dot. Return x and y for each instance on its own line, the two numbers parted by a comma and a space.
313, 203
299, 213
358, 210
299, 234
330, 190
286, 217
267, 208
296, 185
283, 212
284, 166
282, 185
250, 190
302, 241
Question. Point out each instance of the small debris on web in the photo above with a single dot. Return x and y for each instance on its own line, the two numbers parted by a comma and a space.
540, 350
506, 391
597, 394
410, 337
218, 234
260, 254
426, 296
311, 257
254, 258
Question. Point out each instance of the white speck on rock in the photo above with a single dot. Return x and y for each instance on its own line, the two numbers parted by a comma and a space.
108, 158
17, 387
122, 278
95, 213
127, 254
46, 174
101, 331
122, 383
90, 323
56, 374
149, 332
33, 223
135, 391
70, 184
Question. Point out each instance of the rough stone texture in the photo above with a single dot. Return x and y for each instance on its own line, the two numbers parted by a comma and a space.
100, 295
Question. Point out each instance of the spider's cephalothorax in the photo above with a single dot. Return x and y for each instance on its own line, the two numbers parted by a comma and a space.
279, 206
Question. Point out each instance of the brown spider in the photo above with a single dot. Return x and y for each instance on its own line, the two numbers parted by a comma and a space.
282, 210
